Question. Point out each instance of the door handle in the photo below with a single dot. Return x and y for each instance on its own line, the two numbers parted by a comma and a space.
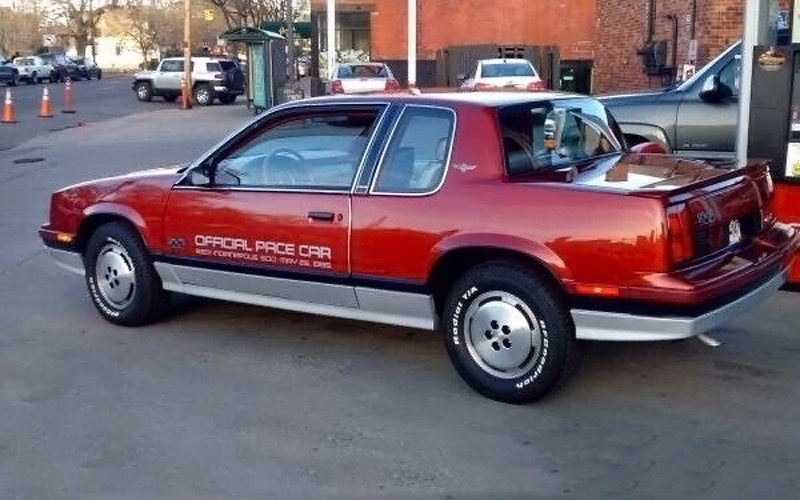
323, 216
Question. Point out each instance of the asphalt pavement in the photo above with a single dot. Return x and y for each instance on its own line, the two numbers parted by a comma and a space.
222, 400
95, 101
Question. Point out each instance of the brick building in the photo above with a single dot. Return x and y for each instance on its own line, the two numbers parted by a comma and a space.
604, 35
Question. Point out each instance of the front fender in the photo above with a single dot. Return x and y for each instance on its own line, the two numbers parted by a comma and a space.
652, 133
120, 211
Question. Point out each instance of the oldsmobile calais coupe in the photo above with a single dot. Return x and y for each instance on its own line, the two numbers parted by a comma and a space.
515, 223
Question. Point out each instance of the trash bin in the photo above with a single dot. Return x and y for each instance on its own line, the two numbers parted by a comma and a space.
266, 66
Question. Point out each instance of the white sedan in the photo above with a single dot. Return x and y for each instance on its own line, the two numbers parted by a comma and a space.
492, 74
361, 78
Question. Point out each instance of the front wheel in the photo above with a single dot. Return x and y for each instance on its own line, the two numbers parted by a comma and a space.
144, 91
122, 282
508, 333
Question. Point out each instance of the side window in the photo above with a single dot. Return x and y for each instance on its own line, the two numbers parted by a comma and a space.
172, 66
730, 76
314, 151
416, 158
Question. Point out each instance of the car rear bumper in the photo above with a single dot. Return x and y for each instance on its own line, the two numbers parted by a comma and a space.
615, 326
221, 89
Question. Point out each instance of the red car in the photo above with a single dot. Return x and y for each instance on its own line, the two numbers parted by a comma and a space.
513, 223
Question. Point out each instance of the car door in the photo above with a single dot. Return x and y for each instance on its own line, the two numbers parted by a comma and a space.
268, 213
402, 198
169, 75
706, 127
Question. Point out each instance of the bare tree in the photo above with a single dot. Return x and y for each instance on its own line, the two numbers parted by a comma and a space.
239, 13
21, 27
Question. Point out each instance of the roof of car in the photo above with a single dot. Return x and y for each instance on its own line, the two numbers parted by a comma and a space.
486, 99
505, 61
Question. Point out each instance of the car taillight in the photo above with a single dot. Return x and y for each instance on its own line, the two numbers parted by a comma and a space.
483, 86
391, 85
536, 86
336, 87
679, 228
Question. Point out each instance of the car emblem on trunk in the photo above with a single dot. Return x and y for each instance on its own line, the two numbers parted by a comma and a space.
734, 232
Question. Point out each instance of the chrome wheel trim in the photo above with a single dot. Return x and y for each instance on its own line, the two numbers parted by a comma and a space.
502, 334
115, 275
142, 91
203, 96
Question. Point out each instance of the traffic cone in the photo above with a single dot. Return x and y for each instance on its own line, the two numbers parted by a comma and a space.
69, 99
8, 109
186, 97
46, 109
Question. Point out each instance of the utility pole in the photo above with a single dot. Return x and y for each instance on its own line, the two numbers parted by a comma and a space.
331, 14
289, 21
92, 34
412, 43
187, 51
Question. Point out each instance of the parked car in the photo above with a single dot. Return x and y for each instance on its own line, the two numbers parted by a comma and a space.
63, 67
361, 78
212, 78
696, 118
515, 223
9, 74
33, 69
87, 68
489, 74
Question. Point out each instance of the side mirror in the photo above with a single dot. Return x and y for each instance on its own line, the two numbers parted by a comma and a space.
200, 176
715, 91
710, 90
649, 148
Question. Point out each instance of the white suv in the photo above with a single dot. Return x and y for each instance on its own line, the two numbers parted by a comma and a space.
34, 69
211, 78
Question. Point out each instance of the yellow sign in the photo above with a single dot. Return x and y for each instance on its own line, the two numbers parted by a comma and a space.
208, 14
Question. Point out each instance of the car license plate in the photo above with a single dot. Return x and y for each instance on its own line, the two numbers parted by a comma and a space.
734, 232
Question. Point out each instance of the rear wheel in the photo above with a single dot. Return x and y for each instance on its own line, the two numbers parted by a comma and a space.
34, 79
227, 98
122, 282
508, 333
144, 91
99, 74
203, 94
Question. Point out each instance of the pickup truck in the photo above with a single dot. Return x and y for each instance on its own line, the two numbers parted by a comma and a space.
696, 118
514, 223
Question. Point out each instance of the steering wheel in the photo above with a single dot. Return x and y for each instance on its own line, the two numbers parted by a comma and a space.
298, 175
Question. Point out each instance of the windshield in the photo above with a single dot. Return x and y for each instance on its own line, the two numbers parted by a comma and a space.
24, 61
549, 135
494, 70
362, 71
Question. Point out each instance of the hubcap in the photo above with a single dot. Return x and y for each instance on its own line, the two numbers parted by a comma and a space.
502, 334
203, 96
142, 92
115, 277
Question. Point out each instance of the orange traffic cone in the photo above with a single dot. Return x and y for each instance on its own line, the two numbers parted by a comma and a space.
186, 97
8, 109
46, 109
69, 99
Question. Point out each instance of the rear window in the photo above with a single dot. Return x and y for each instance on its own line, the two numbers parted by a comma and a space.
362, 71
227, 65
544, 136
213, 67
25, 61
493, 70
